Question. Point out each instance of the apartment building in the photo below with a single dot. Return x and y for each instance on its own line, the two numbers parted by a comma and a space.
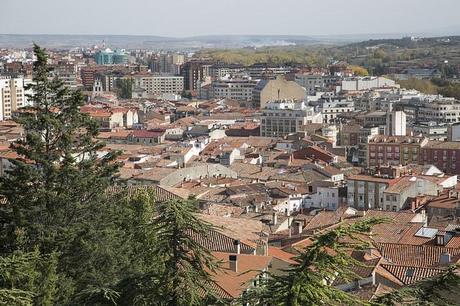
219, 71
169, 63
193, 73
234, 89
12, 96
281, 118
67, 73
109, 57
367, 83
374, 119
403, 194
444, 155
394, 150
88, 75
155, 85
366, 191
443, 110
396, 124
313, 82
264, 71
332, 108
431, 130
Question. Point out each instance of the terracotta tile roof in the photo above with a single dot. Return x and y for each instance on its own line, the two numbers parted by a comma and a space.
411, 274
146, 134
442, 145
368, 178
444, 201
161, 194
415, 255
281, 254
379, 139
410, 238
219, 242
362, 271
217, 291
369, 292
324, 219
249, 267
223, 210
246, 230
454, 242
401, 185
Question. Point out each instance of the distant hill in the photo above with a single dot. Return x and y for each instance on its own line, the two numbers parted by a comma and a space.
154, 42
409, 43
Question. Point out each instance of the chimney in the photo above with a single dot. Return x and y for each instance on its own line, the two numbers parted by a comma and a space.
233, 260
444, 258
299, 227
274, 218
236, 244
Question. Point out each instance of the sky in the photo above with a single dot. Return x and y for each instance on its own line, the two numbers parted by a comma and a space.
184, 18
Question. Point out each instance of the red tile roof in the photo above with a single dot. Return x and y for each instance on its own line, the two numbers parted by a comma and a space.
416, 255
411, 274
146, 134
249, 267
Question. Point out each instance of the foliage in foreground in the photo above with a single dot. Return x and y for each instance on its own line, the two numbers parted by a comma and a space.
327, 259
441, 290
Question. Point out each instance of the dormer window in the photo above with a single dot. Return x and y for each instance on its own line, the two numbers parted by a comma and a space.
440, 239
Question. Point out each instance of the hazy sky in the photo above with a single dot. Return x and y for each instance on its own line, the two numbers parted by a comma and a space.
201, 17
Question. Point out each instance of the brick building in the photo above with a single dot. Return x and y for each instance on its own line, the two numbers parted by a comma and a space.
444, 155
394, 150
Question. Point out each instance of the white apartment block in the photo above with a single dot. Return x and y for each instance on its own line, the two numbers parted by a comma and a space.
367, 192
281, 118
313, 82
12, 96
445, 111
367, 83
217, 72
396, 124
156, 85
234, 89
330, 109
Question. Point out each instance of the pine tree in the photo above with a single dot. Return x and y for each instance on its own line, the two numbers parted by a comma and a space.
179, 269
309, 282
27, 279
55, 191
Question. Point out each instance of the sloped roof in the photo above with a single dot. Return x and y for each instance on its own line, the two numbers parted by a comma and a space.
249, 267
411, 274
416, 255
218, 242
